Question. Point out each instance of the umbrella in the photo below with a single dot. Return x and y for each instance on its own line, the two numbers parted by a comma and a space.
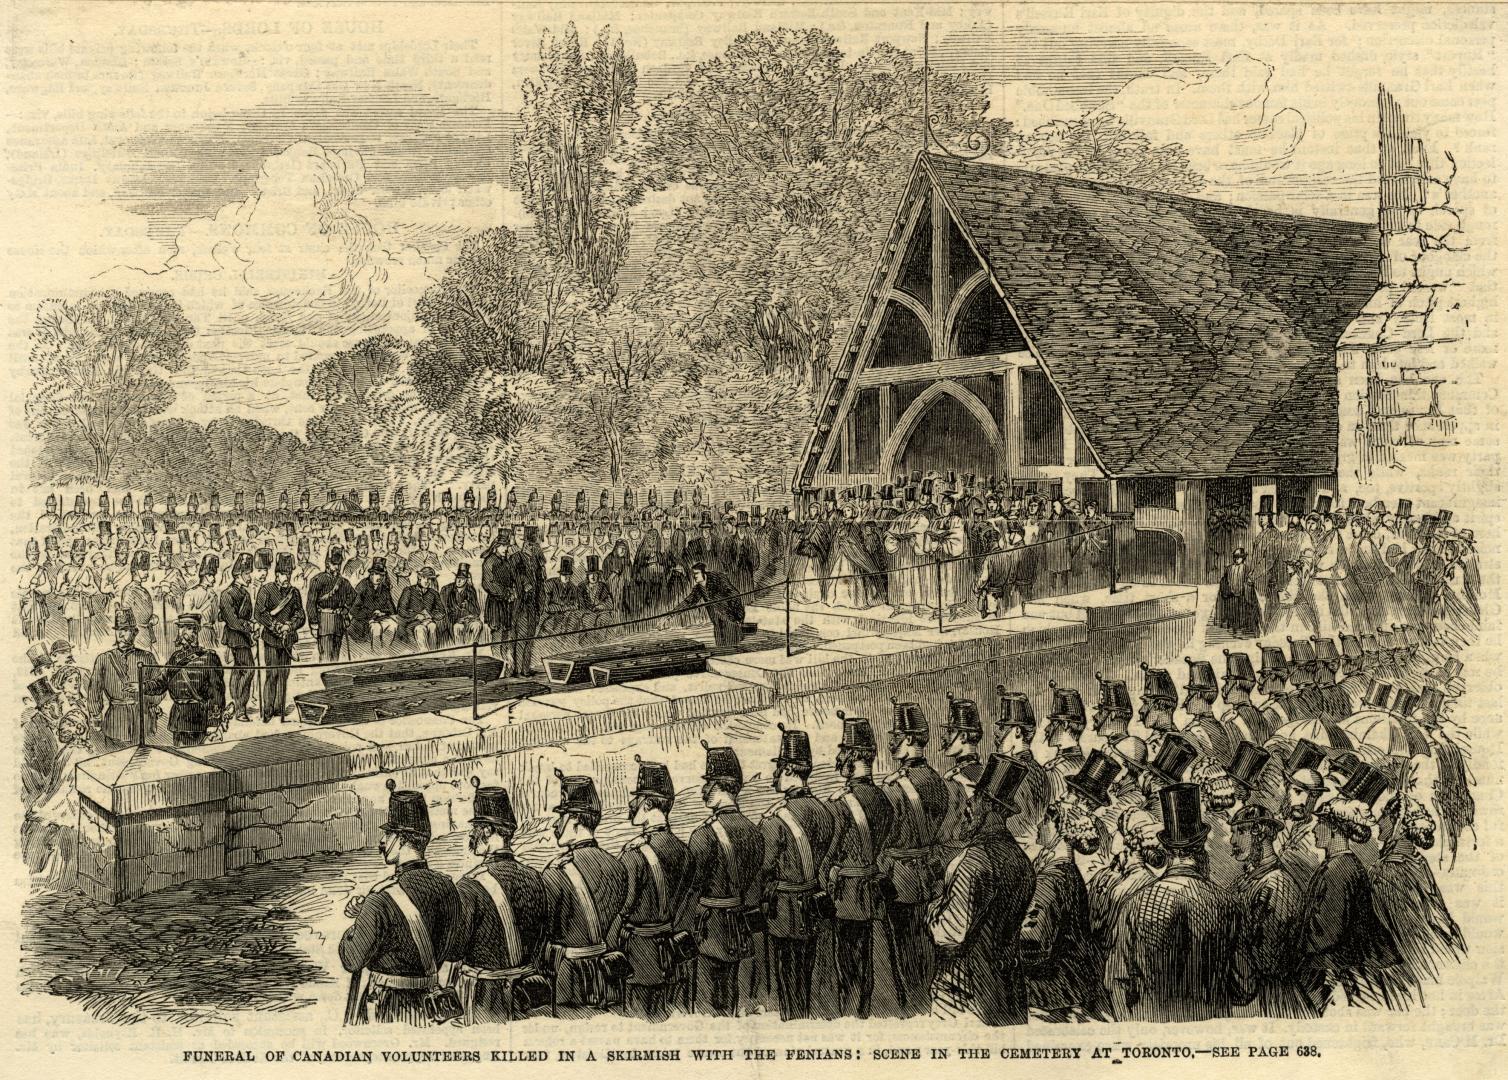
1389, 733
1318, 730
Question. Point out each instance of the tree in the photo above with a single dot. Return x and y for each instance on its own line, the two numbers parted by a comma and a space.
95, 368
348, 375
574, 118
1100, 147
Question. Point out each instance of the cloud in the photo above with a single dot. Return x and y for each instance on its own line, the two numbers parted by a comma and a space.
1027, 106
1225, 119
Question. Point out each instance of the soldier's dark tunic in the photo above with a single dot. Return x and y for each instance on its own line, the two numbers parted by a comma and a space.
330, 600
655, 866
854, 881
797, 832
1035, 793
919, 801
380, 941
726, 890
1266, 916
577, 939
238, 613
195, 681
113, 697
280, 610
495, 958
1058, 948
977, 922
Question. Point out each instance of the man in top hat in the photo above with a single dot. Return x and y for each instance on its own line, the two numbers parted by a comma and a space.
1296, 847
504, 914
238, 617
422, 620
280, 611
374, 614
202, 600
330, 601
1058, 951
712, 592
498, 572
1236, 605
585, 887
118, 684
863, 819
528, 581
1173, 757
655, 864
724, 881
1065, 726
194, 679
1173, 960
1015, 729
462, 607
797, 832
562, 601
976, 922
76, 589
1267, 909
962, 734
919, 803
908, 543
406, 925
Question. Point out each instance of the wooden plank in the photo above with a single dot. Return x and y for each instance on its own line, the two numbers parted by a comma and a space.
408, 669
575, 669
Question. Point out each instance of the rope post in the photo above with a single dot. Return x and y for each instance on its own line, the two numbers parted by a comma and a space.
1114, 554
937, 561
474, 692
788, 651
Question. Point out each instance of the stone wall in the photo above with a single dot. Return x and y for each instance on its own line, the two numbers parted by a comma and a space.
1399, 359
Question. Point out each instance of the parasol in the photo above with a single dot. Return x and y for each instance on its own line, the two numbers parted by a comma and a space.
1388, 733
1318, 730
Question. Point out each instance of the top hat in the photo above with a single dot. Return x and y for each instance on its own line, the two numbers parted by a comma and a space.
1248, 763
1238, 667
722, 764
795, 749
858, 734
1431, 702
1304, 755
1000, 779
1450, 669
407, 811
567, 566
963, 718
1113, 694
706, 522
1365, 785
1273, 661
1405, 509
1323, 504
1345, 762
377, 566
1355, 506
743, 518
1174, 756
1444, 516
578, 795
1094, 778
1158, 684
654, 779
927, 489
1377, 695
907, 719
1182, 824
41, 692
491, 806
593, 564
1016, 711
284, 563
1201, 675
1254, 814
1404, 702
1067, 705
1293, 506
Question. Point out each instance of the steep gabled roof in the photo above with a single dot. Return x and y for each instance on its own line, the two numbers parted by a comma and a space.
1186, 337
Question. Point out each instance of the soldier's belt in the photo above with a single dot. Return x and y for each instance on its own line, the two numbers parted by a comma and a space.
907, 854
404, 982
796, 886
648, 929
728, 903
857, 871
583, 952
496, 974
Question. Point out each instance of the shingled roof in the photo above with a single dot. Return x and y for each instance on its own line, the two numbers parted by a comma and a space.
1186, 337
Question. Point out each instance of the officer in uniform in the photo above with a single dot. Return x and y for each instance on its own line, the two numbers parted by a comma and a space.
195, 681
237, 614
864, 818
655, 864
503, 918
1014, 730
962, 734
919, 803
797, 832
115, 683
727, 858
280, 610
405, 927
585, 887
330, 601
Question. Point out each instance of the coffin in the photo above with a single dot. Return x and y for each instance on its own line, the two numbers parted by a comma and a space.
358, 704
408, 669
574, 669
676, 662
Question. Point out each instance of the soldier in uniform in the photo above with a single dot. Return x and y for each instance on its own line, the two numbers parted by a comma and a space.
1015, 729
724, 881
194, 679
648, 928
504, 912
77, 589
1112, 713
1065, 726
797, 833
585, 886
1173, 949
962, 735
405, 927
238, 616
1242, 719
919, 804
115, 683
864, 819
976, 922
280, 610
330, 600
203, 601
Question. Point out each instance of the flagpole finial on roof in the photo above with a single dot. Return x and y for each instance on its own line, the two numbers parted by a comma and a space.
976, 143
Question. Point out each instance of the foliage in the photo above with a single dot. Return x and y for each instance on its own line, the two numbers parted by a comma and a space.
95, 367
1100, 147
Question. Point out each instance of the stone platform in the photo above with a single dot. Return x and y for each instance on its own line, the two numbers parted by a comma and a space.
153, 817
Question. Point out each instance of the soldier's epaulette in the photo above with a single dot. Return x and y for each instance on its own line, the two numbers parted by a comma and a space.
559, 860
773, 810
637, 842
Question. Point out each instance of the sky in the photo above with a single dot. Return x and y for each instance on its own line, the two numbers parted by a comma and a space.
297, 175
